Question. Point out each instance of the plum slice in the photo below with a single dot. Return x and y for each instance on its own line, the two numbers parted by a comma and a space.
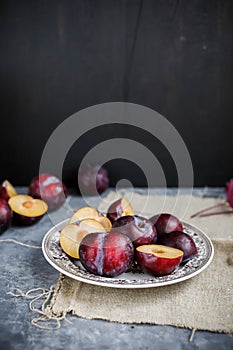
7, 190
120, 207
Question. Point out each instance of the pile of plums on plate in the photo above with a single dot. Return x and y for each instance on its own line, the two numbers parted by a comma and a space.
45, 192
109, 245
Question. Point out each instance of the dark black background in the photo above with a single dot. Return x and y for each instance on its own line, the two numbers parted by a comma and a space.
58, 57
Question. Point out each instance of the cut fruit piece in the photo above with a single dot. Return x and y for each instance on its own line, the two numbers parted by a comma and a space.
7, 190
72, 234
27, 210
119, 208
91, 213
158, 259
28, 206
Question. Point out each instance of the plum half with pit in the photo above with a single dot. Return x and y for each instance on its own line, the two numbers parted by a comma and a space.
72, 234
27, 210
182, 241
92, 179
106, 254
48, 188
158, 259
5, 215
165, 223
139, 229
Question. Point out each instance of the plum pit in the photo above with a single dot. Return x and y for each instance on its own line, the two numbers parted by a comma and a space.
28, 204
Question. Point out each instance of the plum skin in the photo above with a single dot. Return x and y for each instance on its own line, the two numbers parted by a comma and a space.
3, 193
115, 211
48, 188
5, 215
106, 254
121, 207
158, 266
139, 229
182, 241
155, 265
166, 223
22, 220
93, 179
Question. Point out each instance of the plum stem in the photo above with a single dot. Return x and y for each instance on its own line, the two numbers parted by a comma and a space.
207, 209
217, 213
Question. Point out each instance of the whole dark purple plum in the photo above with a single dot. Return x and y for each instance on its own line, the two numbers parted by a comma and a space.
5, 215
165, 223
182, 241
139, 229
48, 188
106, 254
92, 179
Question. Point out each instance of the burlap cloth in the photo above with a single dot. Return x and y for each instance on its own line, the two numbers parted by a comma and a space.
203, 302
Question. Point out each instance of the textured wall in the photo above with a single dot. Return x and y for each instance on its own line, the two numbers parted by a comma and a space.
58, 57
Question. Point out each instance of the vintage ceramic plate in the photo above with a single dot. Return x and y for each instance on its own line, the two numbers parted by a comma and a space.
134, 279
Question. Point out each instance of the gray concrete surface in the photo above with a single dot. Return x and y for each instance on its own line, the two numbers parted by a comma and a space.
26, 268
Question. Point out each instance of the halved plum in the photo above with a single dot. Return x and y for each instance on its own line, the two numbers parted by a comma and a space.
91, 213
157, 259
72, 234
27, 210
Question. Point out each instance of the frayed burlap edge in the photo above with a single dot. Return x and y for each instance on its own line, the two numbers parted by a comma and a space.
81, 299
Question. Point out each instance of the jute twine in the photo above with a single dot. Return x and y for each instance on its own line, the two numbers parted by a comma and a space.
46, 319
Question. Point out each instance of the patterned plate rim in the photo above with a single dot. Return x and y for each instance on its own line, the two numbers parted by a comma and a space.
61, 262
